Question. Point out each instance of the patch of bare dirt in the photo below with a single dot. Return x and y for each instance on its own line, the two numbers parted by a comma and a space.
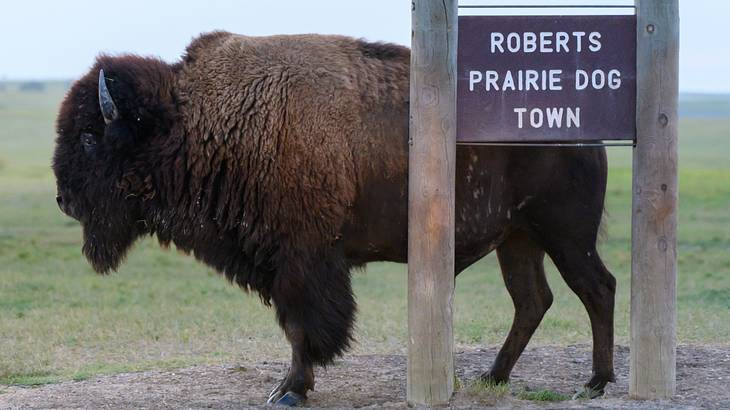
378, 381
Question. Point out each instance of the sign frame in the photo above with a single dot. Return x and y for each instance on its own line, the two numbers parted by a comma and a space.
431, 195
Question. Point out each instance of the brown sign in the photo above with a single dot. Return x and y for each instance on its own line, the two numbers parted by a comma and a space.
546, 78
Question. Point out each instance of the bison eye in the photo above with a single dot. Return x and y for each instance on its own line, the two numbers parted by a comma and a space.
88, 141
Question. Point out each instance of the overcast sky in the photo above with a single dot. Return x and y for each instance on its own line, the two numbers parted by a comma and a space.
58, 39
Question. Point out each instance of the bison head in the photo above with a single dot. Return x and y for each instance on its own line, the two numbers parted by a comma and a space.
110, 125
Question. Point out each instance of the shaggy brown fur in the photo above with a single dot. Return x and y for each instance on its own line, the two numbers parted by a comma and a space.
282, 162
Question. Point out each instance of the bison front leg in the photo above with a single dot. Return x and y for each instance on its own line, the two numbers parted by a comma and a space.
315, 308
300, 378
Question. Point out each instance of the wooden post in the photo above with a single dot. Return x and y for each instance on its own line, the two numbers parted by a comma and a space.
431, 202
654, 218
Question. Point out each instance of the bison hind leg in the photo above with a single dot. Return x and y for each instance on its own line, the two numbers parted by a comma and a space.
583, 270
571, 244
316, 309
521, 261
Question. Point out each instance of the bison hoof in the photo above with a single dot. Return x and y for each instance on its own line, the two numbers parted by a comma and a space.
288, 399
493, 379
282, 396
596, 387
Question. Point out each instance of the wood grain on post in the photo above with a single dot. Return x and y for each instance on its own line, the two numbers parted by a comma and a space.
431, 173
655, 194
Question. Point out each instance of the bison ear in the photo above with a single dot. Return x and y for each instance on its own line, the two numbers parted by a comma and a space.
106, 102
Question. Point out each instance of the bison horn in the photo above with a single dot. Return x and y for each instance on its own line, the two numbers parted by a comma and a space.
108, 108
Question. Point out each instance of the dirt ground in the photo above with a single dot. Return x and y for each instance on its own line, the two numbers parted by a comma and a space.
378, 381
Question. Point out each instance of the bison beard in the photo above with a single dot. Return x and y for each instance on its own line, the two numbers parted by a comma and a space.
282, 163
104, 254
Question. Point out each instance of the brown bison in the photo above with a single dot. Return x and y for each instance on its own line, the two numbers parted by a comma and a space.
282, 162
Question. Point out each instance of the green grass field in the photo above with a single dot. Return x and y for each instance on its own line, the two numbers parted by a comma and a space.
58, 320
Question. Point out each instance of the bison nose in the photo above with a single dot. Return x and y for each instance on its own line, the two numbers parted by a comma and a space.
59, 201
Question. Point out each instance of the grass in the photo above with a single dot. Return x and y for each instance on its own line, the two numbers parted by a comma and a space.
488, 393
542, 395
162, 310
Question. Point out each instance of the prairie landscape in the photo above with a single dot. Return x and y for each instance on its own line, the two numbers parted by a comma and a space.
162, 310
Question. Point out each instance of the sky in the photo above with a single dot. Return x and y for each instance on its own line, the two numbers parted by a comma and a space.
59, 39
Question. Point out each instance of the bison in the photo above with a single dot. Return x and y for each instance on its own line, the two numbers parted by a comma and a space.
282, 163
